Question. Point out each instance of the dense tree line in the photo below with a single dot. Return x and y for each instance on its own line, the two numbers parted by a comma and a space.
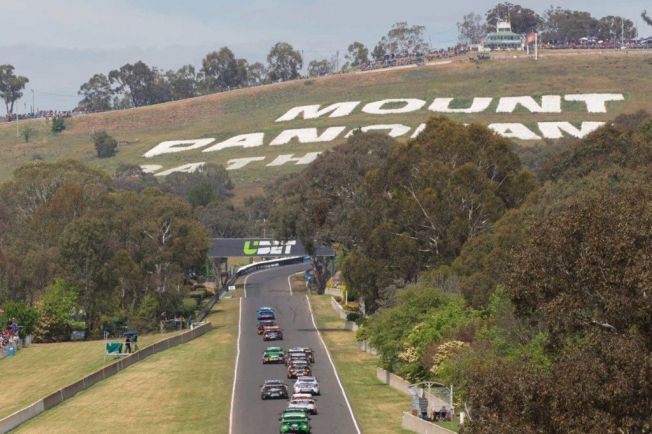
555, 24
530, 295
80, 250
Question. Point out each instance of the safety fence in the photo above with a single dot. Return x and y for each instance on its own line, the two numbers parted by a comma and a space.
21, 416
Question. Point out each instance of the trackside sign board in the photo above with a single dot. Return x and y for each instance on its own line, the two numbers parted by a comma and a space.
261, 247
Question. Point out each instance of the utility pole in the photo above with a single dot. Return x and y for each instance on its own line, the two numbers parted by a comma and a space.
33, 104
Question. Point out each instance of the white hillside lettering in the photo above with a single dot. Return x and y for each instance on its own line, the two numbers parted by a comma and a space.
443, 105
556, 130
409, 105
337, 110
239, 163
514, 131
549, 104
298, 161
307, 135
393, 130
243, 141
186, 168
595, 102
174, 146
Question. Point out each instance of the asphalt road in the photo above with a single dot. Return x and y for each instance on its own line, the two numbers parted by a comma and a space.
251, 415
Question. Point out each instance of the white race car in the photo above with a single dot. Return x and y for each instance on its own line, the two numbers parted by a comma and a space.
303, 402
307, 385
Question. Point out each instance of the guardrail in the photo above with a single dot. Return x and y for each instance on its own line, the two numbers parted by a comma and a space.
21, 416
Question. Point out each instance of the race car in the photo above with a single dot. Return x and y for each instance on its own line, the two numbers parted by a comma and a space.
272, 333
264, 323
299, 353
305, 411
298, 368
274, 389
265, 313
303, 401
307, 384
273, 355
294, 423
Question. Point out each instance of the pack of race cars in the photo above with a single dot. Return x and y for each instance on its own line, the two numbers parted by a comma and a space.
298, 360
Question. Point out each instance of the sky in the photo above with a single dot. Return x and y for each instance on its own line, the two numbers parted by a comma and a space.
60, 44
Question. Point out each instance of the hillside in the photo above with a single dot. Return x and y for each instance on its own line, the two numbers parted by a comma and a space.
222, 116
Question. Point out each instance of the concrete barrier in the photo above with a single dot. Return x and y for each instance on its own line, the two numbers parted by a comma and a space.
338, 308
418, 425
21, 416
351, 326
400, 384
364, 346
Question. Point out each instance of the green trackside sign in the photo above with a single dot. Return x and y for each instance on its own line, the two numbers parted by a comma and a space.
261, 247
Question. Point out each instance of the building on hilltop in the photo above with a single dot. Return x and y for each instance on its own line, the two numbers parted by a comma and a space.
503, 38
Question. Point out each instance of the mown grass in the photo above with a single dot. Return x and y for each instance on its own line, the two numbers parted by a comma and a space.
255, 110
41, 369
377, 407
184, 389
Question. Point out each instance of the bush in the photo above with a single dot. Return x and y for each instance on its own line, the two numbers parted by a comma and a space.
338, 299
25, 315
58, 124
105, 145
188, 306
352, 307
354, 316
58, 308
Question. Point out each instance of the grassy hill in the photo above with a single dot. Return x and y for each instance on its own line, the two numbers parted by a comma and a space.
224, 115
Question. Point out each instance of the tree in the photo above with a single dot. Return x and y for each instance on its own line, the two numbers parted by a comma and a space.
97, 94
357, 54
183, 82
27, 132
523, 20
141, 84
11, 86
131, 177
470, 30
256, 74
284, 62
314, 207
105, 145
379, 52
212, 180
403, 39
568, 25
58, 124
317, 68
613, 28
58, 309
220, 71
646, 18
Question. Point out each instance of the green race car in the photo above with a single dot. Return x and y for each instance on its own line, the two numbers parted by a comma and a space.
273, 355
294, 423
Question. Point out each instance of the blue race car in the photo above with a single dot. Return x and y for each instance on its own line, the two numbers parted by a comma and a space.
265, 313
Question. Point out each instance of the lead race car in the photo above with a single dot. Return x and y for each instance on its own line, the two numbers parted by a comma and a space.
265, 313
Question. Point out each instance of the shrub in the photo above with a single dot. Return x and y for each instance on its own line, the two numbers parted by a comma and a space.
58, 124
338, 299
105, 145
353, 316
25, 315
352, 307
57, 308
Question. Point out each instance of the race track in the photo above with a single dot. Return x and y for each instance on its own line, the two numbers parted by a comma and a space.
250, 414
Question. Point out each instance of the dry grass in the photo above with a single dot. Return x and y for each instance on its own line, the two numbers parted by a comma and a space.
184, 389
41, 369
255, 110
377, 407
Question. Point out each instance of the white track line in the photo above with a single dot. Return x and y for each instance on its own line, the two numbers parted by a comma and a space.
237, 362
290, 284
330, 359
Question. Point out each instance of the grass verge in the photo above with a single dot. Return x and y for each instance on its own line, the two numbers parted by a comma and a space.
41, 369
184, 389
377, 407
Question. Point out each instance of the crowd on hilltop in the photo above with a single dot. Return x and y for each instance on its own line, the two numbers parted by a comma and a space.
41, 114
